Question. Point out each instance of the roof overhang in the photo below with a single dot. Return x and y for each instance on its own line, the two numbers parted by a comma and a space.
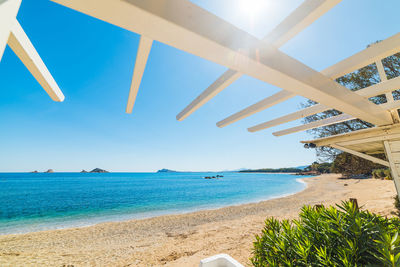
368, 141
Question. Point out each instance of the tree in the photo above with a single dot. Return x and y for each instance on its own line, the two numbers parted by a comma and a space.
354, 81
348, 164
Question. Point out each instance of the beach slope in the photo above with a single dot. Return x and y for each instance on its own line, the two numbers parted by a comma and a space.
182, 240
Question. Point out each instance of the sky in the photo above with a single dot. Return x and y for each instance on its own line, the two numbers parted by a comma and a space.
93, 61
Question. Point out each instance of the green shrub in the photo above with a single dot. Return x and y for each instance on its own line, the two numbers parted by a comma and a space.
343, 236
382, 174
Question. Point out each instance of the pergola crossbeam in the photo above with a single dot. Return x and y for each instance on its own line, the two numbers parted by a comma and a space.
190, 28
8, 15
373, 90
369, 140
259, 106
298, 20
289, 117
351, 64
140, 65
388, 95
332, 120
315, 124
373, 53
23, 48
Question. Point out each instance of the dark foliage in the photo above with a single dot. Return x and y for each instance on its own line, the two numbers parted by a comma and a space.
348, 164
320, 167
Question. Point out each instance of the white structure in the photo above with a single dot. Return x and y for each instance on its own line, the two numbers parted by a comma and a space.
186, 26
220, 260
11, 33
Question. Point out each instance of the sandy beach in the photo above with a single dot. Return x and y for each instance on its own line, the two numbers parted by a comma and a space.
182, 240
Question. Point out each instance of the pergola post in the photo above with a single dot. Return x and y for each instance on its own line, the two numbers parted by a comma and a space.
392, 150
8, 15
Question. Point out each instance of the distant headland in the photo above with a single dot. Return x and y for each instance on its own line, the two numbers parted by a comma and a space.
166, 170
98, 170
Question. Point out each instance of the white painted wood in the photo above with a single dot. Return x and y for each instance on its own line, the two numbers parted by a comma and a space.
315, 124
8, 14
185, 26
356, 135
140, 65
259, 106
289, 117
297, 21
388, 95
362, 155
374, 90
368, 56
391, 105
220, 260
396, 156
380, 88
370, 140
394, 168
23, 48
395, 146
354, 62
215, 88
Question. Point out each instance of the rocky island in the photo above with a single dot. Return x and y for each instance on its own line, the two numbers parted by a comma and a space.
165, 170
98, 170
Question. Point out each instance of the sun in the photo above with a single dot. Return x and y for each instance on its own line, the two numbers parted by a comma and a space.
252, 8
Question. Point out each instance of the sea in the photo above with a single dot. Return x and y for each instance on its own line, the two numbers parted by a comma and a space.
31, 202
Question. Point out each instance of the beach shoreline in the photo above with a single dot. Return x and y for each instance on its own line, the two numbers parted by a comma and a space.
184, 239
60, 223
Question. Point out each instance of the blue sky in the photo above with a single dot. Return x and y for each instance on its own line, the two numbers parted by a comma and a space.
92, 62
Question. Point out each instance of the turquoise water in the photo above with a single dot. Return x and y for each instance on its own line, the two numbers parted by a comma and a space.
42, 201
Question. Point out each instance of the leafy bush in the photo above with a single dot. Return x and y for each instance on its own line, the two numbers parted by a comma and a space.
382, 174
343, 236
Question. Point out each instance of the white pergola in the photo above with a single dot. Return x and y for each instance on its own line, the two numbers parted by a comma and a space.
186, 26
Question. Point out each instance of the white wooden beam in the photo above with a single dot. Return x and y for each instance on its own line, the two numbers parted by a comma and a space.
8, 14
315, 124
216, 87
261, 105
369, 140
380, 88
334, 72
355, 135
140, 65
23, 48
362, 155
289, 117
373, 90
185, 26
388, 95
324, 122
393, 168
368, 56
298, 20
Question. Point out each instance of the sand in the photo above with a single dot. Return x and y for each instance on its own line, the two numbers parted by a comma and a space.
182, 240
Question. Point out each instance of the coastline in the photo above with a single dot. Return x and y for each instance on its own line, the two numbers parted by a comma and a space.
92, 219
184, 239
